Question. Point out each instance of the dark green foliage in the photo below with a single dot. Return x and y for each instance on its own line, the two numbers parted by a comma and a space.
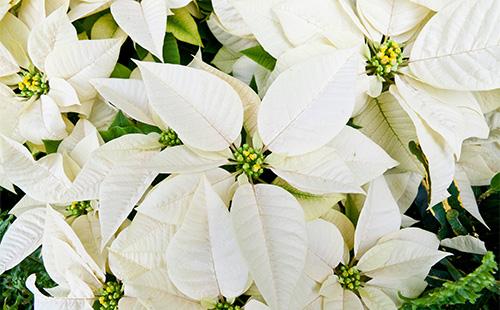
467, 289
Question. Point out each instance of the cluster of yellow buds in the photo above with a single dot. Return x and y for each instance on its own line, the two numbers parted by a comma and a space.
224, 305
169, 138
249, 160
34, 83
386, 59
110, 294
77, 208
349, 278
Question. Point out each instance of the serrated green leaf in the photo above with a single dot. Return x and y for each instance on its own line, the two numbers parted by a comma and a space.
260, 56
183, 26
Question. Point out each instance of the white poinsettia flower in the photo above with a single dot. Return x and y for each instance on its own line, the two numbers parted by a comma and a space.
50, 73
310, 163
386, 261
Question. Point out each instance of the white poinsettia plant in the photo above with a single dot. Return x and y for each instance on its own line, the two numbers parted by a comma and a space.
278, 178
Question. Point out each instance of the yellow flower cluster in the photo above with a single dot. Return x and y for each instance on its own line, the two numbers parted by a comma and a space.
111, 293
249, 160
33, 84
387, 59
77, 208
349, 278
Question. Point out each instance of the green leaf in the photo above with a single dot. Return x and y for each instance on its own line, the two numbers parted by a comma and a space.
104, 28
121, 71
171, 50
146, 128
120, 126
51, 145
116, 132
183, 26
495, 183
121, 120
260, 56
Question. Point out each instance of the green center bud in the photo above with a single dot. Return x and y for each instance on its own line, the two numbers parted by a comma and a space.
349, 278
169, 138
386, 59
109, 295
225, 305
34, 83
77, 208
249, 160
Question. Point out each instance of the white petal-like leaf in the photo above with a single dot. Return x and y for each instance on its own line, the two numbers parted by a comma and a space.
144, 22
81, 61
467, 197
55, 30
22, 238
182, 159
140, 247
468, 244
38, 181
456, 116
170, 199
375, 299
179, 95
271, 232
8, 64
399, 259
230, 18
437, 151
42, 120
203, 258
392, 17
379, 216
264, 24
325, 249
42, 302
304, 22
459, 47
128, 95
299, 121
120, 191
249, 98
388, 125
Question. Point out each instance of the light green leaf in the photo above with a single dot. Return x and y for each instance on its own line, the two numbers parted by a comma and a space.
260, 56
183, 26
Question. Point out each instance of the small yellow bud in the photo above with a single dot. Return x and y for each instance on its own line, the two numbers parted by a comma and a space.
384, 60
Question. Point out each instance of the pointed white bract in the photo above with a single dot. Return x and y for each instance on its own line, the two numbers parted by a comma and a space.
144, 22
273, 244
298, 116
458, 48
22, 238
203, 258
179, 95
